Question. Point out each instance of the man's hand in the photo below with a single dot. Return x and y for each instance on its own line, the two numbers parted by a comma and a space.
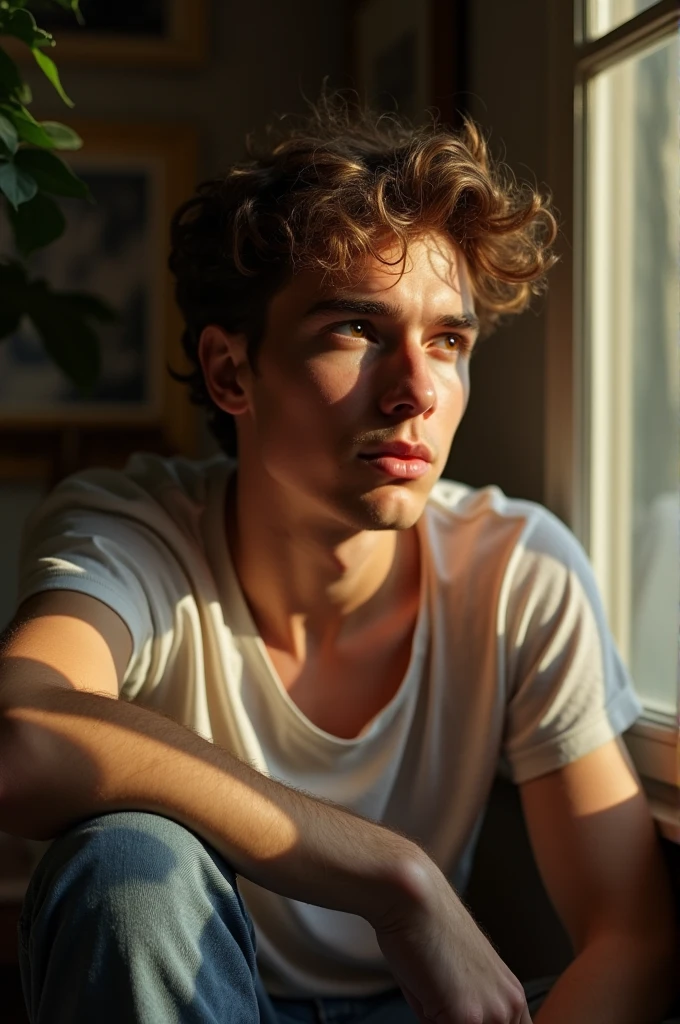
446, 968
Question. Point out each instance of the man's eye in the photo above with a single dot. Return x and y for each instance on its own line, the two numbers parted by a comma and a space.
355, 329
453, 342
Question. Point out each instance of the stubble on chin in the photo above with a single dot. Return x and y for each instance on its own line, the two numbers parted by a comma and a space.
376, 513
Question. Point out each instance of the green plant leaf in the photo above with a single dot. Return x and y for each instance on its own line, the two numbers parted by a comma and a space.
21, 24
27, 127
9, 321
92, 307
72, 5
18, 186
60, 319
24, 94
72, 343
49, 69
12, 278
10, 79
46, 134
12, 296
51, 173
8, 134
61, 135
37, 223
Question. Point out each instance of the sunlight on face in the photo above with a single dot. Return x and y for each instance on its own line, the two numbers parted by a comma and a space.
347, 368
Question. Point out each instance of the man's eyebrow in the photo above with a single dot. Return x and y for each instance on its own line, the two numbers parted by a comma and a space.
373, 307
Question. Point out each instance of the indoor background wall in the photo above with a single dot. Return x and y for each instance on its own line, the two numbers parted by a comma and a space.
261, 55
501, 438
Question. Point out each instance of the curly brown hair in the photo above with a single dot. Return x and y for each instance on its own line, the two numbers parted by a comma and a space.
322, 194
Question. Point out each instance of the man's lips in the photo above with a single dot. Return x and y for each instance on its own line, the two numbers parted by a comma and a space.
400, 450
399, 459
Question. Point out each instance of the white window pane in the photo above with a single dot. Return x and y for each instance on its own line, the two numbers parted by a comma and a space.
603, 16
633, 232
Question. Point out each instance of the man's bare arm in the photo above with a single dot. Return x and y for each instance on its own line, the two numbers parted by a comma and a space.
600, 859
66, 755
69, 749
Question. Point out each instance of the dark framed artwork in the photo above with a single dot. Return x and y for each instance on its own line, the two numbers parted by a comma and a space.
126, 32
409, 56
117, 249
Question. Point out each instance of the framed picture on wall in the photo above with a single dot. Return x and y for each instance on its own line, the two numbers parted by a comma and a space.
115, 248
127, 32
409, 56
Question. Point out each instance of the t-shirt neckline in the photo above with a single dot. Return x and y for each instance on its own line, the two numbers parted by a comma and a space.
240, 621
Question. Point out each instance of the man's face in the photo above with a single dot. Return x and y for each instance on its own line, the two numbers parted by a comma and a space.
347, 372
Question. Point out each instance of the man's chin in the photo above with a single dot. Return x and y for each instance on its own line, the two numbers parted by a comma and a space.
392, 511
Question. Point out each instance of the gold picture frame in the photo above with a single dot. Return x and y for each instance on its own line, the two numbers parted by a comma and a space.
184, 44
116, 248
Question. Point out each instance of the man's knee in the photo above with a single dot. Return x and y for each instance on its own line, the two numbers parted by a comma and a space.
141, 906
123, 847
130, 864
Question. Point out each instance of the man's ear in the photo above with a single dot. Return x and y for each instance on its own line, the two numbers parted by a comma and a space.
226, 370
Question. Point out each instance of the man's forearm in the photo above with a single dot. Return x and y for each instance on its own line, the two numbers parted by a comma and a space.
614, 980
66, 755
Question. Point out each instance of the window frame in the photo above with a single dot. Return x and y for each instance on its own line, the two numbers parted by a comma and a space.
654, 745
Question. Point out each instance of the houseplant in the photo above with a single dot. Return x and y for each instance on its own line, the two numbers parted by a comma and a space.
32, 178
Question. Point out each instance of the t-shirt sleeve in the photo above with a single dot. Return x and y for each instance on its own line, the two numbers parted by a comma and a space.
569, 691
115, 559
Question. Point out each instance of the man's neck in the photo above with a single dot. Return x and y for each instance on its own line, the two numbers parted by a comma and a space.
311, 590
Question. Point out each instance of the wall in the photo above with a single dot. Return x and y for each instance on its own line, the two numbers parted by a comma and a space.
261, 55
501, 438
502, 441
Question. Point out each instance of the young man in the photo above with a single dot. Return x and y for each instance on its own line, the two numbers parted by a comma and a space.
323, 650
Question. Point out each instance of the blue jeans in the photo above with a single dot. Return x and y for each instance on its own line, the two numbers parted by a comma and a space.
131, 917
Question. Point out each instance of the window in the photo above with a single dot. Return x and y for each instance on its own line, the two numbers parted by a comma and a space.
602, 16
631, 312
625, 387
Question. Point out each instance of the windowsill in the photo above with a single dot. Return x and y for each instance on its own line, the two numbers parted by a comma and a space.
664, 803
653, 746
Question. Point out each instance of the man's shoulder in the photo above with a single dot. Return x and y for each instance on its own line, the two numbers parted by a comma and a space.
498, 526
457, 504
153, 490
145, 473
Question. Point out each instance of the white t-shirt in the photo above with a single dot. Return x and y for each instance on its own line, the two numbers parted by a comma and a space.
512, 661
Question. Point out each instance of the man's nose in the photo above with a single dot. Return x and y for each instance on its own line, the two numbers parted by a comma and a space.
407, 384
